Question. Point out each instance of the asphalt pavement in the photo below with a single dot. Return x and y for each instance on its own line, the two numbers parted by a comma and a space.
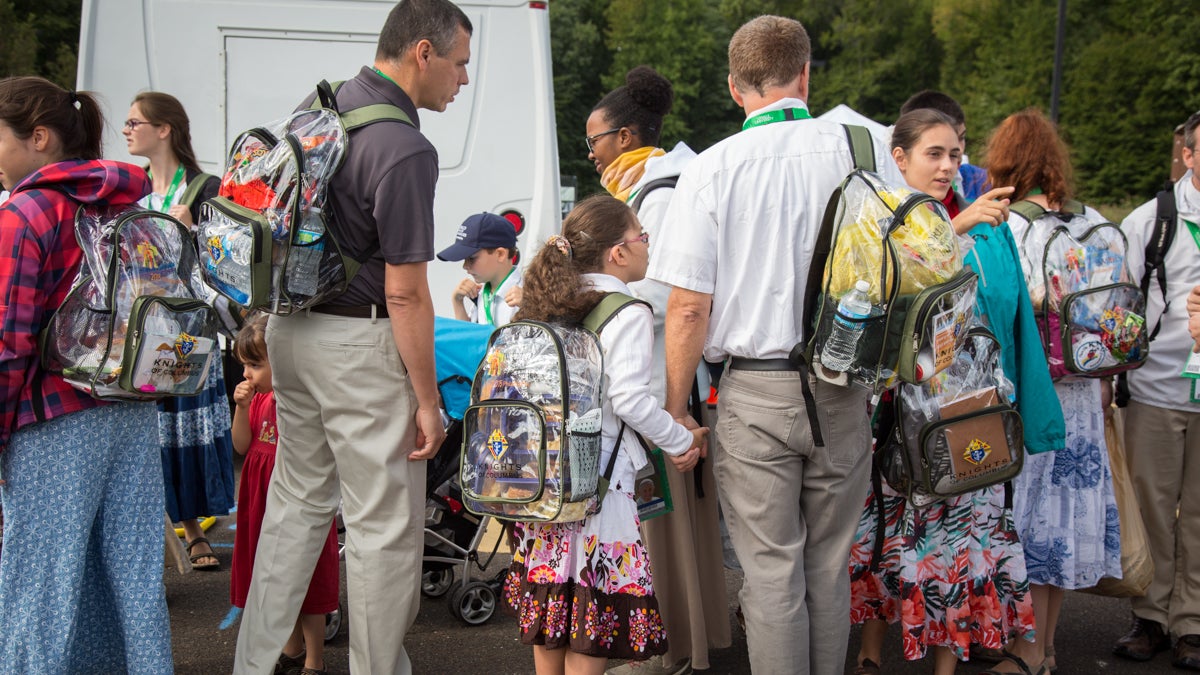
204, 630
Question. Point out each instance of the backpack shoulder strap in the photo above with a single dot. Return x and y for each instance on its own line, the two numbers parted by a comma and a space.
612, 303
1031, 211
1161, 238
667, 181
356, 118
1073, 206
194, 186
862, 146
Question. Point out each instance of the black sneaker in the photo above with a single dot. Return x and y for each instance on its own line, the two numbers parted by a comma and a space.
1144, 639
289, 665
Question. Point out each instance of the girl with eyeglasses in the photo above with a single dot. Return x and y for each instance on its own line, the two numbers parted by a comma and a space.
583, 591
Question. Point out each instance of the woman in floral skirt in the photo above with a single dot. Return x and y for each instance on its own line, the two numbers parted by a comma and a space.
952, 573
582, 590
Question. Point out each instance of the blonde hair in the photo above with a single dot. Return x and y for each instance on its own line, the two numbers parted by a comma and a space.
768, 51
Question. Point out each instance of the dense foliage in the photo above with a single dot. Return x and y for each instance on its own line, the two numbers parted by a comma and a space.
1131, 67
1131, 70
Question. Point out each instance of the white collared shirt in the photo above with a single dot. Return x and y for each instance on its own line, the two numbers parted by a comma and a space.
502, 312
627, 342
1158, 382
743, 223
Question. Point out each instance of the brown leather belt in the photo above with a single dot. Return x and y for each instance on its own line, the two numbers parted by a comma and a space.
353, 311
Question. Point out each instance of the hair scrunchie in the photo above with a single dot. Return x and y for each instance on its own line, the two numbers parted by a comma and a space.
74, 99
560, 242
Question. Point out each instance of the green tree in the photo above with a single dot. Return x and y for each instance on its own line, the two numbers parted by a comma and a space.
876, 54
40, 38
686, 41
1134, 79
581, 58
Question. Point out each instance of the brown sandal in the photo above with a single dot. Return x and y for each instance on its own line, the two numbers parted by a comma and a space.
195, 557
1020, 663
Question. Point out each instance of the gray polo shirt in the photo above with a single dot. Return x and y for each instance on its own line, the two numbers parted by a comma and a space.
383, 193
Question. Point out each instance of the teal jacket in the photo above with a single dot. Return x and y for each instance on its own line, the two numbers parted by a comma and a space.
1003, 301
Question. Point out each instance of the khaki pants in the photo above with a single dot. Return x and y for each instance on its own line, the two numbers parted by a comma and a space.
345, 413
792, 509
1163, 451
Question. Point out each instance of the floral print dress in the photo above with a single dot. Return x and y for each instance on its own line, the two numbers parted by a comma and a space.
951, 573
586, 585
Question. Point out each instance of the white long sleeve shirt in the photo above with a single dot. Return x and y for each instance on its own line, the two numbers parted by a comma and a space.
627, 343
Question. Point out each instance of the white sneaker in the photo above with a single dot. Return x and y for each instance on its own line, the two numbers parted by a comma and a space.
653, 666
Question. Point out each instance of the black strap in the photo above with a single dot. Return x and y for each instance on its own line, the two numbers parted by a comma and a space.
1159, 243
878, 505
195, 184
1008, 494
668, 181
612, 459
697, 406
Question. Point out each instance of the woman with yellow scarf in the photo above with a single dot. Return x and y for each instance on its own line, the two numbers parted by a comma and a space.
623, 133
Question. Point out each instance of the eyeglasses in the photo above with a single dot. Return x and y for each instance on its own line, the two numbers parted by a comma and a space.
132, 125
591, 140
643, 237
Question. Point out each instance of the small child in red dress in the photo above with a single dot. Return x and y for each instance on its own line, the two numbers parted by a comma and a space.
254, 431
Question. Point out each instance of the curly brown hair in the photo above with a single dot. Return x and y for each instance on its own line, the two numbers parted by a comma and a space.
250, 345
553, 288
1026, 152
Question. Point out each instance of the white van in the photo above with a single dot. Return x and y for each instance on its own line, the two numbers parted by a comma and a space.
236, 64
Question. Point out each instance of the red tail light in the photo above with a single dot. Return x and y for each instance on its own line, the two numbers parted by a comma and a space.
515, 217
537, 5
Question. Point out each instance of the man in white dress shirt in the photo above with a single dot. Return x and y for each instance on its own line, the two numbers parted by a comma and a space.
1162, 431
742, 226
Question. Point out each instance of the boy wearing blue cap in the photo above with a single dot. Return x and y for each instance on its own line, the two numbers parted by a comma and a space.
487, 245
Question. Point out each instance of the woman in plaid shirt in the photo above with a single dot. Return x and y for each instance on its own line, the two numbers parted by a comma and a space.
81, 576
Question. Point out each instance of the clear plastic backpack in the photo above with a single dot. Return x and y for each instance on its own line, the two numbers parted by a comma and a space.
135, 324
956, 433
902, 244
1091, 316
265, 240
532, 434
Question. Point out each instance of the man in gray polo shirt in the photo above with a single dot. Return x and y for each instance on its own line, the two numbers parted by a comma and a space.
354, 379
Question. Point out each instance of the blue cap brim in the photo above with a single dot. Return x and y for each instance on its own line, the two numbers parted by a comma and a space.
457, 252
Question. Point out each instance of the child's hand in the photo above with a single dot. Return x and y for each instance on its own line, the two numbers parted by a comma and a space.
243, 393
687, 461
467, 288
513, 297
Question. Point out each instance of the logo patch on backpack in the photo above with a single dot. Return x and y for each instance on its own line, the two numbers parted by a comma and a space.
977, 451
184, 345
215, 250
497, 444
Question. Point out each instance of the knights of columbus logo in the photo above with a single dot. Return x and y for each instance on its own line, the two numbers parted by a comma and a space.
498, 444
215, 250
977, 451
184, 345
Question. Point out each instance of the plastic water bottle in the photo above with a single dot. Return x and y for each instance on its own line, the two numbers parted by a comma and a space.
855, 305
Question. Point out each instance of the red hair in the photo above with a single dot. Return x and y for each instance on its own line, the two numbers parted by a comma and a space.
1026, 152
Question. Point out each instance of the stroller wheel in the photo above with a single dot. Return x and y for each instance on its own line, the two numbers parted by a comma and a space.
333, 622
474, 603
435, 583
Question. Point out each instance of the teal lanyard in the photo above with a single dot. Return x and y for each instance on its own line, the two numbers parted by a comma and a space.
175, 182
486, 296
771, 116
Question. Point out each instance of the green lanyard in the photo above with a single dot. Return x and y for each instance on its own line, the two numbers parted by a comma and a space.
170, 190
384, 76
770, 116
486, 296
1195, 230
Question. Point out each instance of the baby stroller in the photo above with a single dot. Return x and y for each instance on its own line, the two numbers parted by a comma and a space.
453, 534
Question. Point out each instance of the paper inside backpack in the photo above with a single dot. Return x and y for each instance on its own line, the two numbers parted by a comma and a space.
978, 445
944, 342
176, 362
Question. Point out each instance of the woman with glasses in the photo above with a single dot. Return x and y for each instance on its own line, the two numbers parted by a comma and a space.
623, 133
197, 451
